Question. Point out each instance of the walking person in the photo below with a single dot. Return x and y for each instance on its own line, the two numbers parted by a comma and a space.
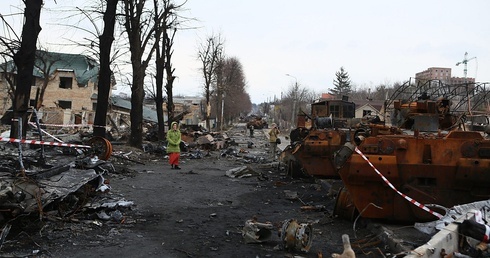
173, 146
251, 128
274, 136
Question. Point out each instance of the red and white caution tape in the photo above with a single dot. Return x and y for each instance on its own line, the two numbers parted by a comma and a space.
44, 143
421, 206
72, 125
52, 136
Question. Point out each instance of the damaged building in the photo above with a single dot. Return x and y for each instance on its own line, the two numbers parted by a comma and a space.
64, 85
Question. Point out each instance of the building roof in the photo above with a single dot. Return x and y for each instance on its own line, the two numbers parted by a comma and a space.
148, 113
327, 96
85, 68
188, 100
376, 104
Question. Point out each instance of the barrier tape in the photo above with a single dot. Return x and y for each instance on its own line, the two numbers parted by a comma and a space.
72, 125
42, 130
421, 206
43, 143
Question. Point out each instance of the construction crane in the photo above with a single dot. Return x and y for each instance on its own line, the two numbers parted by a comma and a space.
465, 62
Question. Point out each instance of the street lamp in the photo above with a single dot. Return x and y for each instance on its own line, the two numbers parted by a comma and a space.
294, 99
296, 80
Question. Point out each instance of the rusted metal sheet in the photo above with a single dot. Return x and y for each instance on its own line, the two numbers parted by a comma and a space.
443, 169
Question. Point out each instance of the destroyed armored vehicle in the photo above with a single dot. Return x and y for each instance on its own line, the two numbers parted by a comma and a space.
317, 137
416, 170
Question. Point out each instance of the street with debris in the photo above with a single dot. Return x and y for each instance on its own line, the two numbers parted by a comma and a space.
230, 202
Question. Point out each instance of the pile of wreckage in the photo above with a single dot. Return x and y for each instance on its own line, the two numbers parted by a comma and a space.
48, 183
413, 170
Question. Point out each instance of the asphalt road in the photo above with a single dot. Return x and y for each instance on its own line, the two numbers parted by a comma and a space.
199, 211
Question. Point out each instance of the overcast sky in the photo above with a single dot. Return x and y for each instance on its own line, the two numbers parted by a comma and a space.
375, 41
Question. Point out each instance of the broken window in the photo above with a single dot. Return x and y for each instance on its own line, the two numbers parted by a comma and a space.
66, 82
64, 104
366, 112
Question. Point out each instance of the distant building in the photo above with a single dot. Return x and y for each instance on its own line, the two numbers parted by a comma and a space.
188, 109
442, 74
368, 108
435, 73
461, 80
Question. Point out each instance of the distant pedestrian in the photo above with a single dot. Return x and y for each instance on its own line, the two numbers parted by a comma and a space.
274, 135
173, 146
251, 128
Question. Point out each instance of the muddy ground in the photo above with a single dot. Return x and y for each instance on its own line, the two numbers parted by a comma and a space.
197, 211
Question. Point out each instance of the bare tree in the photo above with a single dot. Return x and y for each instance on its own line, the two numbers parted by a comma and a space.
9, 46
231, 97
165, 29
218, 91
45, 63
160, 66
140, 29
210, 53
24, 61
9, 71
296, 99
105, 73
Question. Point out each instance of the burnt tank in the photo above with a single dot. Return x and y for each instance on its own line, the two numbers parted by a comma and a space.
317, 137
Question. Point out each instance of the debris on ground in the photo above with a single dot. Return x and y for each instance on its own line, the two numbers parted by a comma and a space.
241, 172
257, 232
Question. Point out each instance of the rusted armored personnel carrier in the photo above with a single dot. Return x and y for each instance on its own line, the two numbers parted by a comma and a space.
415, 173
257, 122
431, 168
317, 137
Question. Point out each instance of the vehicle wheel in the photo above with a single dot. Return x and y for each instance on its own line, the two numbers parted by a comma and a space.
101, 147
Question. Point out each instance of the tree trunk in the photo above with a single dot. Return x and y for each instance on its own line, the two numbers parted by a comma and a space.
160, 67
137, 97
105, 73
39, 102
219, 118
170, 105
208, 112
24, 60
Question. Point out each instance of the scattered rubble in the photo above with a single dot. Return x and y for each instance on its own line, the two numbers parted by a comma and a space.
66, 183
74, 187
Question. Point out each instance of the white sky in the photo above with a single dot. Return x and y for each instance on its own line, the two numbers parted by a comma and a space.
375, 41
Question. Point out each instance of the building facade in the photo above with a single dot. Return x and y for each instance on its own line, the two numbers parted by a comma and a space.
442, 74
69, 82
